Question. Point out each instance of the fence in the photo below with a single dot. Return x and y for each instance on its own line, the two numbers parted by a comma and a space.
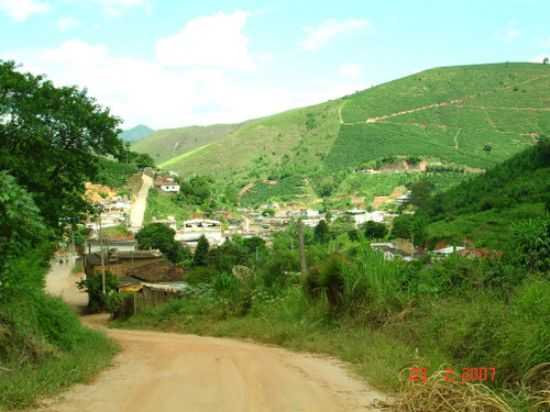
146, 298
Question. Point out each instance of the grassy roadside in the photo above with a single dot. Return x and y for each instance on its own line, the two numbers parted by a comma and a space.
43, 346
25, 386
374, 356
380, 356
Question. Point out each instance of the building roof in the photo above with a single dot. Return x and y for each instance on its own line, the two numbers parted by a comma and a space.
153, 272
199, 221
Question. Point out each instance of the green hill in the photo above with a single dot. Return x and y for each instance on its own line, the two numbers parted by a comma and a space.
485, 209
472, 116
166, 144
136, 133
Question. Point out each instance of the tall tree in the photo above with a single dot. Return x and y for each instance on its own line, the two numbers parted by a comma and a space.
321, 232
201, 253
50, 140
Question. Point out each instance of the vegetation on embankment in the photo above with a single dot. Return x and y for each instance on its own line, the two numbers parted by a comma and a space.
484, 209
43, 346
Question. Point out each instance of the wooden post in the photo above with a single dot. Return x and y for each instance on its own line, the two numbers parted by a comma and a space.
303, 263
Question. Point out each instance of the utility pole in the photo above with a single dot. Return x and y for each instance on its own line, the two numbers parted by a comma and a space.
303, 263
102, 254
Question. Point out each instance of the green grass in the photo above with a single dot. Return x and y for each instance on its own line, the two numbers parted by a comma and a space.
481, 83
179, 158
166, 144
115, 232
161, 205
285, 190
45, 349
373, 355
490, 229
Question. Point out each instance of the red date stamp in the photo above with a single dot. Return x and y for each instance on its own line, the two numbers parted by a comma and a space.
482, 374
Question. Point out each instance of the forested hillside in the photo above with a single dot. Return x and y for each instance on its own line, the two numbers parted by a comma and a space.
484, 209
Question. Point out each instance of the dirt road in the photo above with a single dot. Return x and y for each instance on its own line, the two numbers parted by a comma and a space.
137, 212
161, 372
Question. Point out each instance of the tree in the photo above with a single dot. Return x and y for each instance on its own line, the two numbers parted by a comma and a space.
51, 139
197, 190
374, 230
22, 231
201, 253
545, 60
155, 236
326, 186
142, 160
420, 193
161, 237
321, 232
487, 148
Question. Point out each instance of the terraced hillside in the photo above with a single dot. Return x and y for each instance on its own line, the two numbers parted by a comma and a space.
450, 113
166, 144
474, 116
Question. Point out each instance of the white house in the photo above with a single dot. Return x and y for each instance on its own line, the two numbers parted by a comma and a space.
195, 228
376, 216
359, 216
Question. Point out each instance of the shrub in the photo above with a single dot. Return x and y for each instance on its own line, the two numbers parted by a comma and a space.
530, 244
93, 285
374, 230
201, 252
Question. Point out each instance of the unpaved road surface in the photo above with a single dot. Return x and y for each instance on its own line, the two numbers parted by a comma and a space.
137, 212
162, 372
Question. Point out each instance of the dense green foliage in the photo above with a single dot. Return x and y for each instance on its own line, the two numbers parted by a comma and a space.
51, 140
484, 208
161, 237
62, 127
374, 230
200, 258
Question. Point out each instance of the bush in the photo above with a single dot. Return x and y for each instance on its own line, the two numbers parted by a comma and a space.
201, 252
530, 244
93, 285
374, 230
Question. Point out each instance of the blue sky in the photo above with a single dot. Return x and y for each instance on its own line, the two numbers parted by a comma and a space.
174, 63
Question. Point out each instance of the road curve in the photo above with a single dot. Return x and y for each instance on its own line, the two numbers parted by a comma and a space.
163, 372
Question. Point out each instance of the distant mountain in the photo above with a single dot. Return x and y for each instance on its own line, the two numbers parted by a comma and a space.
136, 133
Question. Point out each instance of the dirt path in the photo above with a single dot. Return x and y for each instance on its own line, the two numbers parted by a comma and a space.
162, 372
137, 212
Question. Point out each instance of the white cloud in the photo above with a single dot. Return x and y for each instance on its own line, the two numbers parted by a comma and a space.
350, 71
142, 91
317, 37
117, 7
67, 23
211, 41
21, 10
